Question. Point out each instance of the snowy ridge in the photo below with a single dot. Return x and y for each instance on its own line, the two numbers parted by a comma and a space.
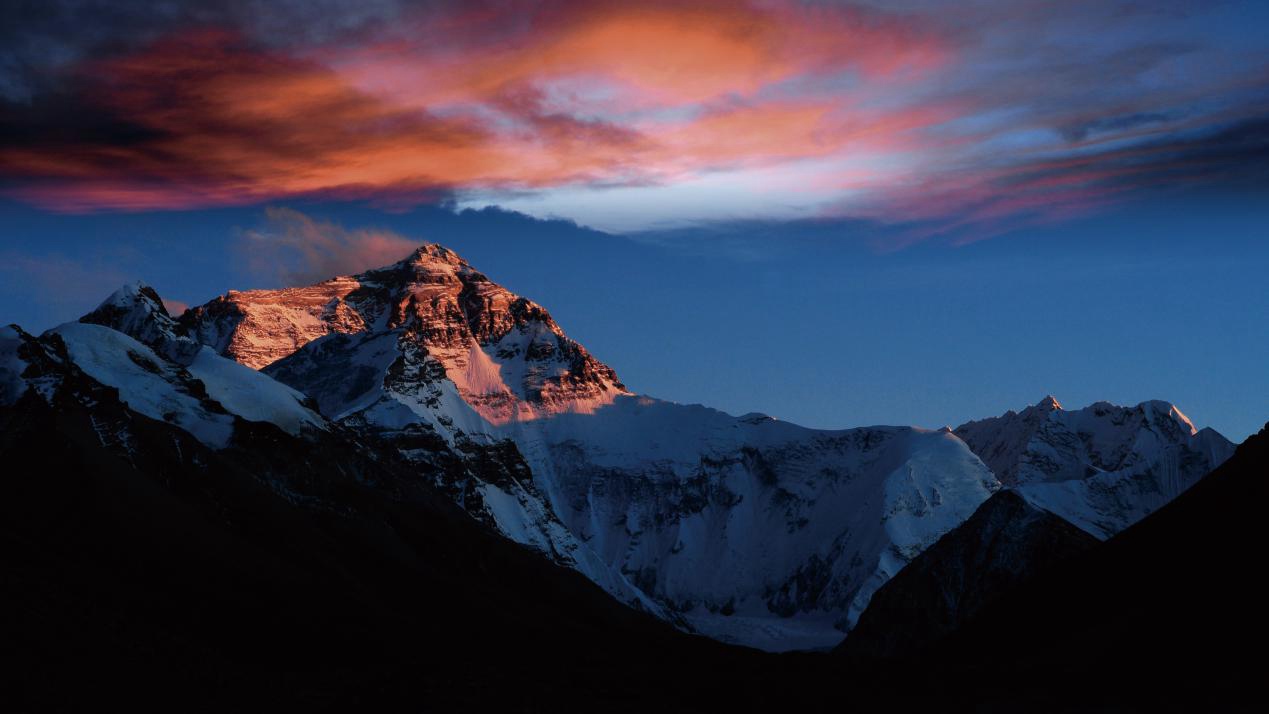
202, 398
1103, 467
252, 395
131, 344
147, 383
137, 310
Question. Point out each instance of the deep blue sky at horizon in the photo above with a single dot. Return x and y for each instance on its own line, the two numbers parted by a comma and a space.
810, 322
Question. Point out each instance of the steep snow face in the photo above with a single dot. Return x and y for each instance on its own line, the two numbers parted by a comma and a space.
751, 530
747, 529
136, 310
147, 383
1103, 467
503, 354
202, 398
252, 395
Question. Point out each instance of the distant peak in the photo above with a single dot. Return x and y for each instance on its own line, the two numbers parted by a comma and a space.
1167, 410
137, 310
131, 296
1049, 404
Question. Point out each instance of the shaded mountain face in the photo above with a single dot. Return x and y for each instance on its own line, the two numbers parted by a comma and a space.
1169, 614
1005, 543
1103, 467
747, 529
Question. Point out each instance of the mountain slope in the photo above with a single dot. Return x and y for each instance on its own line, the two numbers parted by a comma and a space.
1168, 614
1004, 544
1103, 467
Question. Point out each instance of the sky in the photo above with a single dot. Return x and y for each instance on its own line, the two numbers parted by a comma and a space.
837, 213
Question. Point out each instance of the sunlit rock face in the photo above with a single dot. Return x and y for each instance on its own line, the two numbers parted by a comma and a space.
1103, 467
504, 355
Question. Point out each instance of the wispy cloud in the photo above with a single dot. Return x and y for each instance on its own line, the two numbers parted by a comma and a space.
175, 307
297, 249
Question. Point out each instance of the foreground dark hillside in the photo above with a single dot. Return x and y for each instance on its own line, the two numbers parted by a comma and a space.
1005, 543
1169, 615
1171, 611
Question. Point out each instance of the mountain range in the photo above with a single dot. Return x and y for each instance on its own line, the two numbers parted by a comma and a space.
416, 460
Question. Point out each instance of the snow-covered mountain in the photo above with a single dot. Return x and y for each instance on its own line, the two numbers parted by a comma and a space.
747, 529
1103, 467
208, 397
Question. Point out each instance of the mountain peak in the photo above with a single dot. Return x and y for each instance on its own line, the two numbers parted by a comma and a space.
432, 253
133, 295
133, 308
1169, 411
1049, 404
137, 310
506, 357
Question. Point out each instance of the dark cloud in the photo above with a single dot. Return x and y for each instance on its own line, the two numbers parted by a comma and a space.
1234, 155
1081, 131
999, 112
40, 39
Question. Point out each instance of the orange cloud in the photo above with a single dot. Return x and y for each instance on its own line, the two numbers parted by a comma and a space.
588, 93
300, 250
655, 52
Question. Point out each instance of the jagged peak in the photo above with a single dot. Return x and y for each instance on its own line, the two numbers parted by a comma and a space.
129, 307
133, 294
425, 264
431, 254
1049, 404
1168, 410
137, 310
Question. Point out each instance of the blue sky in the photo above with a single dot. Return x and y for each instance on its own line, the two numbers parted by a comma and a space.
810, 322
836, 212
